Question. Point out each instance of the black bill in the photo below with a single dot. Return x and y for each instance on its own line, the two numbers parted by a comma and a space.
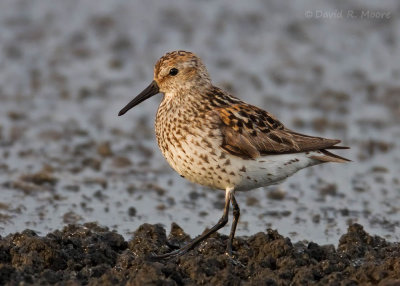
148, 92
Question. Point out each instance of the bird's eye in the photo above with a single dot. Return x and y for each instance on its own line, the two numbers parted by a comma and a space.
173, 71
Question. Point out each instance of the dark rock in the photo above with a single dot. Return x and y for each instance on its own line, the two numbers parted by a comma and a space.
93, 255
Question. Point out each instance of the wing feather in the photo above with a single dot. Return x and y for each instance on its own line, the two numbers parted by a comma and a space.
249, 132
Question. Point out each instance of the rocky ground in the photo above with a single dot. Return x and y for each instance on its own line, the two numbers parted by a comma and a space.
92, 255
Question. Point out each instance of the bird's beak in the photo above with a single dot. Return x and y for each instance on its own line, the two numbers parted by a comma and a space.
148, 92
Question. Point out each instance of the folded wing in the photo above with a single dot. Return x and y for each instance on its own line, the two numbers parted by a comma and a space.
249, 132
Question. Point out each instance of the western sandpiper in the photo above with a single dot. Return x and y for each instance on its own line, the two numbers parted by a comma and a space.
214, 139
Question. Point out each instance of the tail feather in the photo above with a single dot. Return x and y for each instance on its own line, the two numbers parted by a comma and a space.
338, 147
330, 157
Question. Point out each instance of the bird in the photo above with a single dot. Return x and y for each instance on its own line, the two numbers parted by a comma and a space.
214, 139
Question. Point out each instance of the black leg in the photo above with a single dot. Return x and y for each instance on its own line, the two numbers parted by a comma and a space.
221, 223
236, 215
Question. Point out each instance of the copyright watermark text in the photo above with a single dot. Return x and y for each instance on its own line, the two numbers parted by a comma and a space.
348, 14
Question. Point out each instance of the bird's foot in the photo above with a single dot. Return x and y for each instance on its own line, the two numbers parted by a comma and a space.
173, 254
231, 256
166, 256
172, 245
233, 259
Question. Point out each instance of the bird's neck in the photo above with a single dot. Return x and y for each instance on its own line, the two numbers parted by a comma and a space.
185, 98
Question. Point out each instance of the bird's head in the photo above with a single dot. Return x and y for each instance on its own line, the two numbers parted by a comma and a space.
175, 73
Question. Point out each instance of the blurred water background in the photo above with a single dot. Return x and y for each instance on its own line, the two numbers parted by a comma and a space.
326, 68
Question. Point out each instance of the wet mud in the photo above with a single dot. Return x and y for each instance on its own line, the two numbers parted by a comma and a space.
92, 255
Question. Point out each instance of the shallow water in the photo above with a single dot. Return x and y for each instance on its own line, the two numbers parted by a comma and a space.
67, 68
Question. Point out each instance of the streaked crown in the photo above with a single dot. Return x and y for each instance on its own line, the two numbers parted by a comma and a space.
180, 70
